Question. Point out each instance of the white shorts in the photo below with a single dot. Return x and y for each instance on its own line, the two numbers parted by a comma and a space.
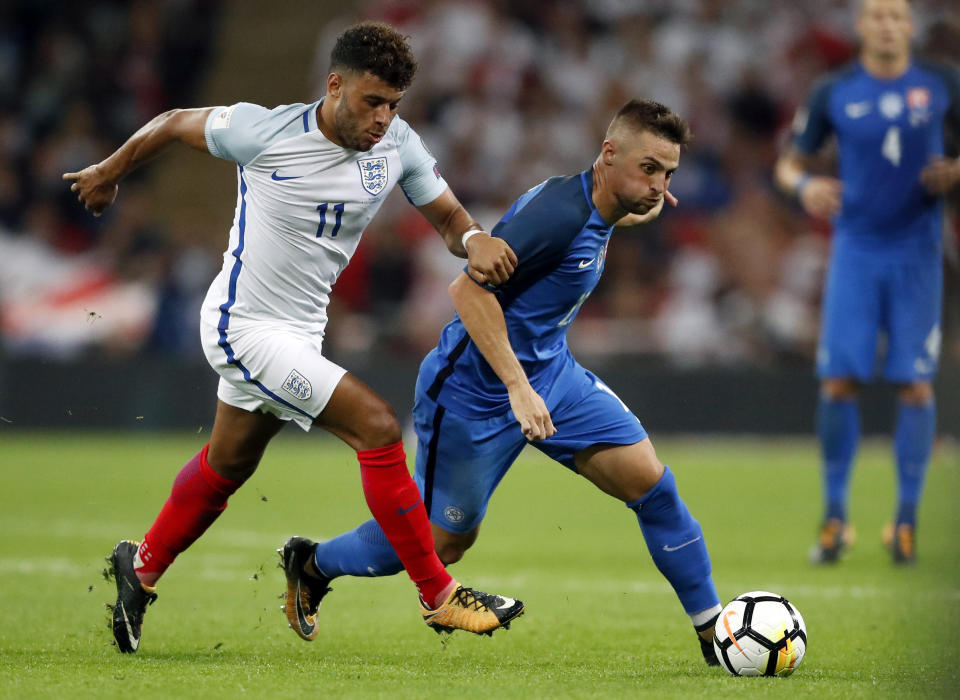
271, 369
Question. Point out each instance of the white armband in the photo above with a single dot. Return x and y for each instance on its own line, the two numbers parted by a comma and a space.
470, 232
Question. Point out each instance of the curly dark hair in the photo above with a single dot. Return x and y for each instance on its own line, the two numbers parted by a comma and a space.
647, 115
378, 48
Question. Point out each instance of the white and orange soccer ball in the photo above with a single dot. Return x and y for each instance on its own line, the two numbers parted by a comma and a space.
760, 634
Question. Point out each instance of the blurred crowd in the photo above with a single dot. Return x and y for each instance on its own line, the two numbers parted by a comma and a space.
76, 79
508, 94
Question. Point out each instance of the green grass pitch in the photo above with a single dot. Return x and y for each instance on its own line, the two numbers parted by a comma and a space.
600, 620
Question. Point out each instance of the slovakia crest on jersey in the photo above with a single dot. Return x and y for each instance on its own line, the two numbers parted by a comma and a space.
918, 101
373, 174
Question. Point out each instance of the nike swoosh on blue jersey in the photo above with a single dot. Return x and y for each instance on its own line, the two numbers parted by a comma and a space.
274, 176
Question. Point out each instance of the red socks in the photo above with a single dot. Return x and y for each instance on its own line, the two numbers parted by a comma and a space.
395, 502
199, 495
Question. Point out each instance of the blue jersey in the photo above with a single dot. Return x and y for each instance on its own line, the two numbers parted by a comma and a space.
887, 131
560, 241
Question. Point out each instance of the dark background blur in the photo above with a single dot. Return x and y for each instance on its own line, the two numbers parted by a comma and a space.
705, 320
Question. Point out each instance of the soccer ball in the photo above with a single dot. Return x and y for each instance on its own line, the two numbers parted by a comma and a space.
760, 634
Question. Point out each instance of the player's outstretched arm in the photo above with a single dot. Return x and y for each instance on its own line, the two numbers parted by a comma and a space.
96, 185
819, 195
483, 318
490, 259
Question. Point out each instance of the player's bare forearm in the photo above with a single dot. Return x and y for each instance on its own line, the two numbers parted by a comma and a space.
789, 170
184, 125
96, 185
820, 196
450, 219
490, 259
483, 318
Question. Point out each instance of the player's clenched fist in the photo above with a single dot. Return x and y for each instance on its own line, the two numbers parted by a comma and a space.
821, 196
491, 260
95, 191
941, 175
531, 412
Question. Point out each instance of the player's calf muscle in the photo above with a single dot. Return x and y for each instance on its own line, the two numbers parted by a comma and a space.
450, 553
450, 546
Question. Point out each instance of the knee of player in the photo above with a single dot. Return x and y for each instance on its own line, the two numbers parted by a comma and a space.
839, 389
379, 426
233, 466
918, 394
647, 470
648, 475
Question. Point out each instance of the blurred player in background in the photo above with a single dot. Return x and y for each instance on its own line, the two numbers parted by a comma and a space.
502, 375
310, 178
889, 113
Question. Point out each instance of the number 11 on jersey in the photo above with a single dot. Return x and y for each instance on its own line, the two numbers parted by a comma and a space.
322, 208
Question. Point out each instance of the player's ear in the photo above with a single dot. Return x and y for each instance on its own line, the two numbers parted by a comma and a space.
607, 151
335, 85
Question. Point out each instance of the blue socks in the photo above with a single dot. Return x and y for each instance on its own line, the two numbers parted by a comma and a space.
363, 551
673, 537
838, 426
676, 544
913, 443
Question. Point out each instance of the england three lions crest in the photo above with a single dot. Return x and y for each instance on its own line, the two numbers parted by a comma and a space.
373, 174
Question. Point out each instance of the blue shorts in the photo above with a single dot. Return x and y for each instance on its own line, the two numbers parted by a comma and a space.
461, 460
869, 294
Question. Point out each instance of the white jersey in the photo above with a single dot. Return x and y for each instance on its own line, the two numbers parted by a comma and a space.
302, 204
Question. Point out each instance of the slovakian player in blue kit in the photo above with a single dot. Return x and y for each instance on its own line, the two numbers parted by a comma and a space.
310, 177
502, 375
889, 114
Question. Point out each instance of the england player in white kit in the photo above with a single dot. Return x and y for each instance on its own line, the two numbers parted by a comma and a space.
310, 178
302, 205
